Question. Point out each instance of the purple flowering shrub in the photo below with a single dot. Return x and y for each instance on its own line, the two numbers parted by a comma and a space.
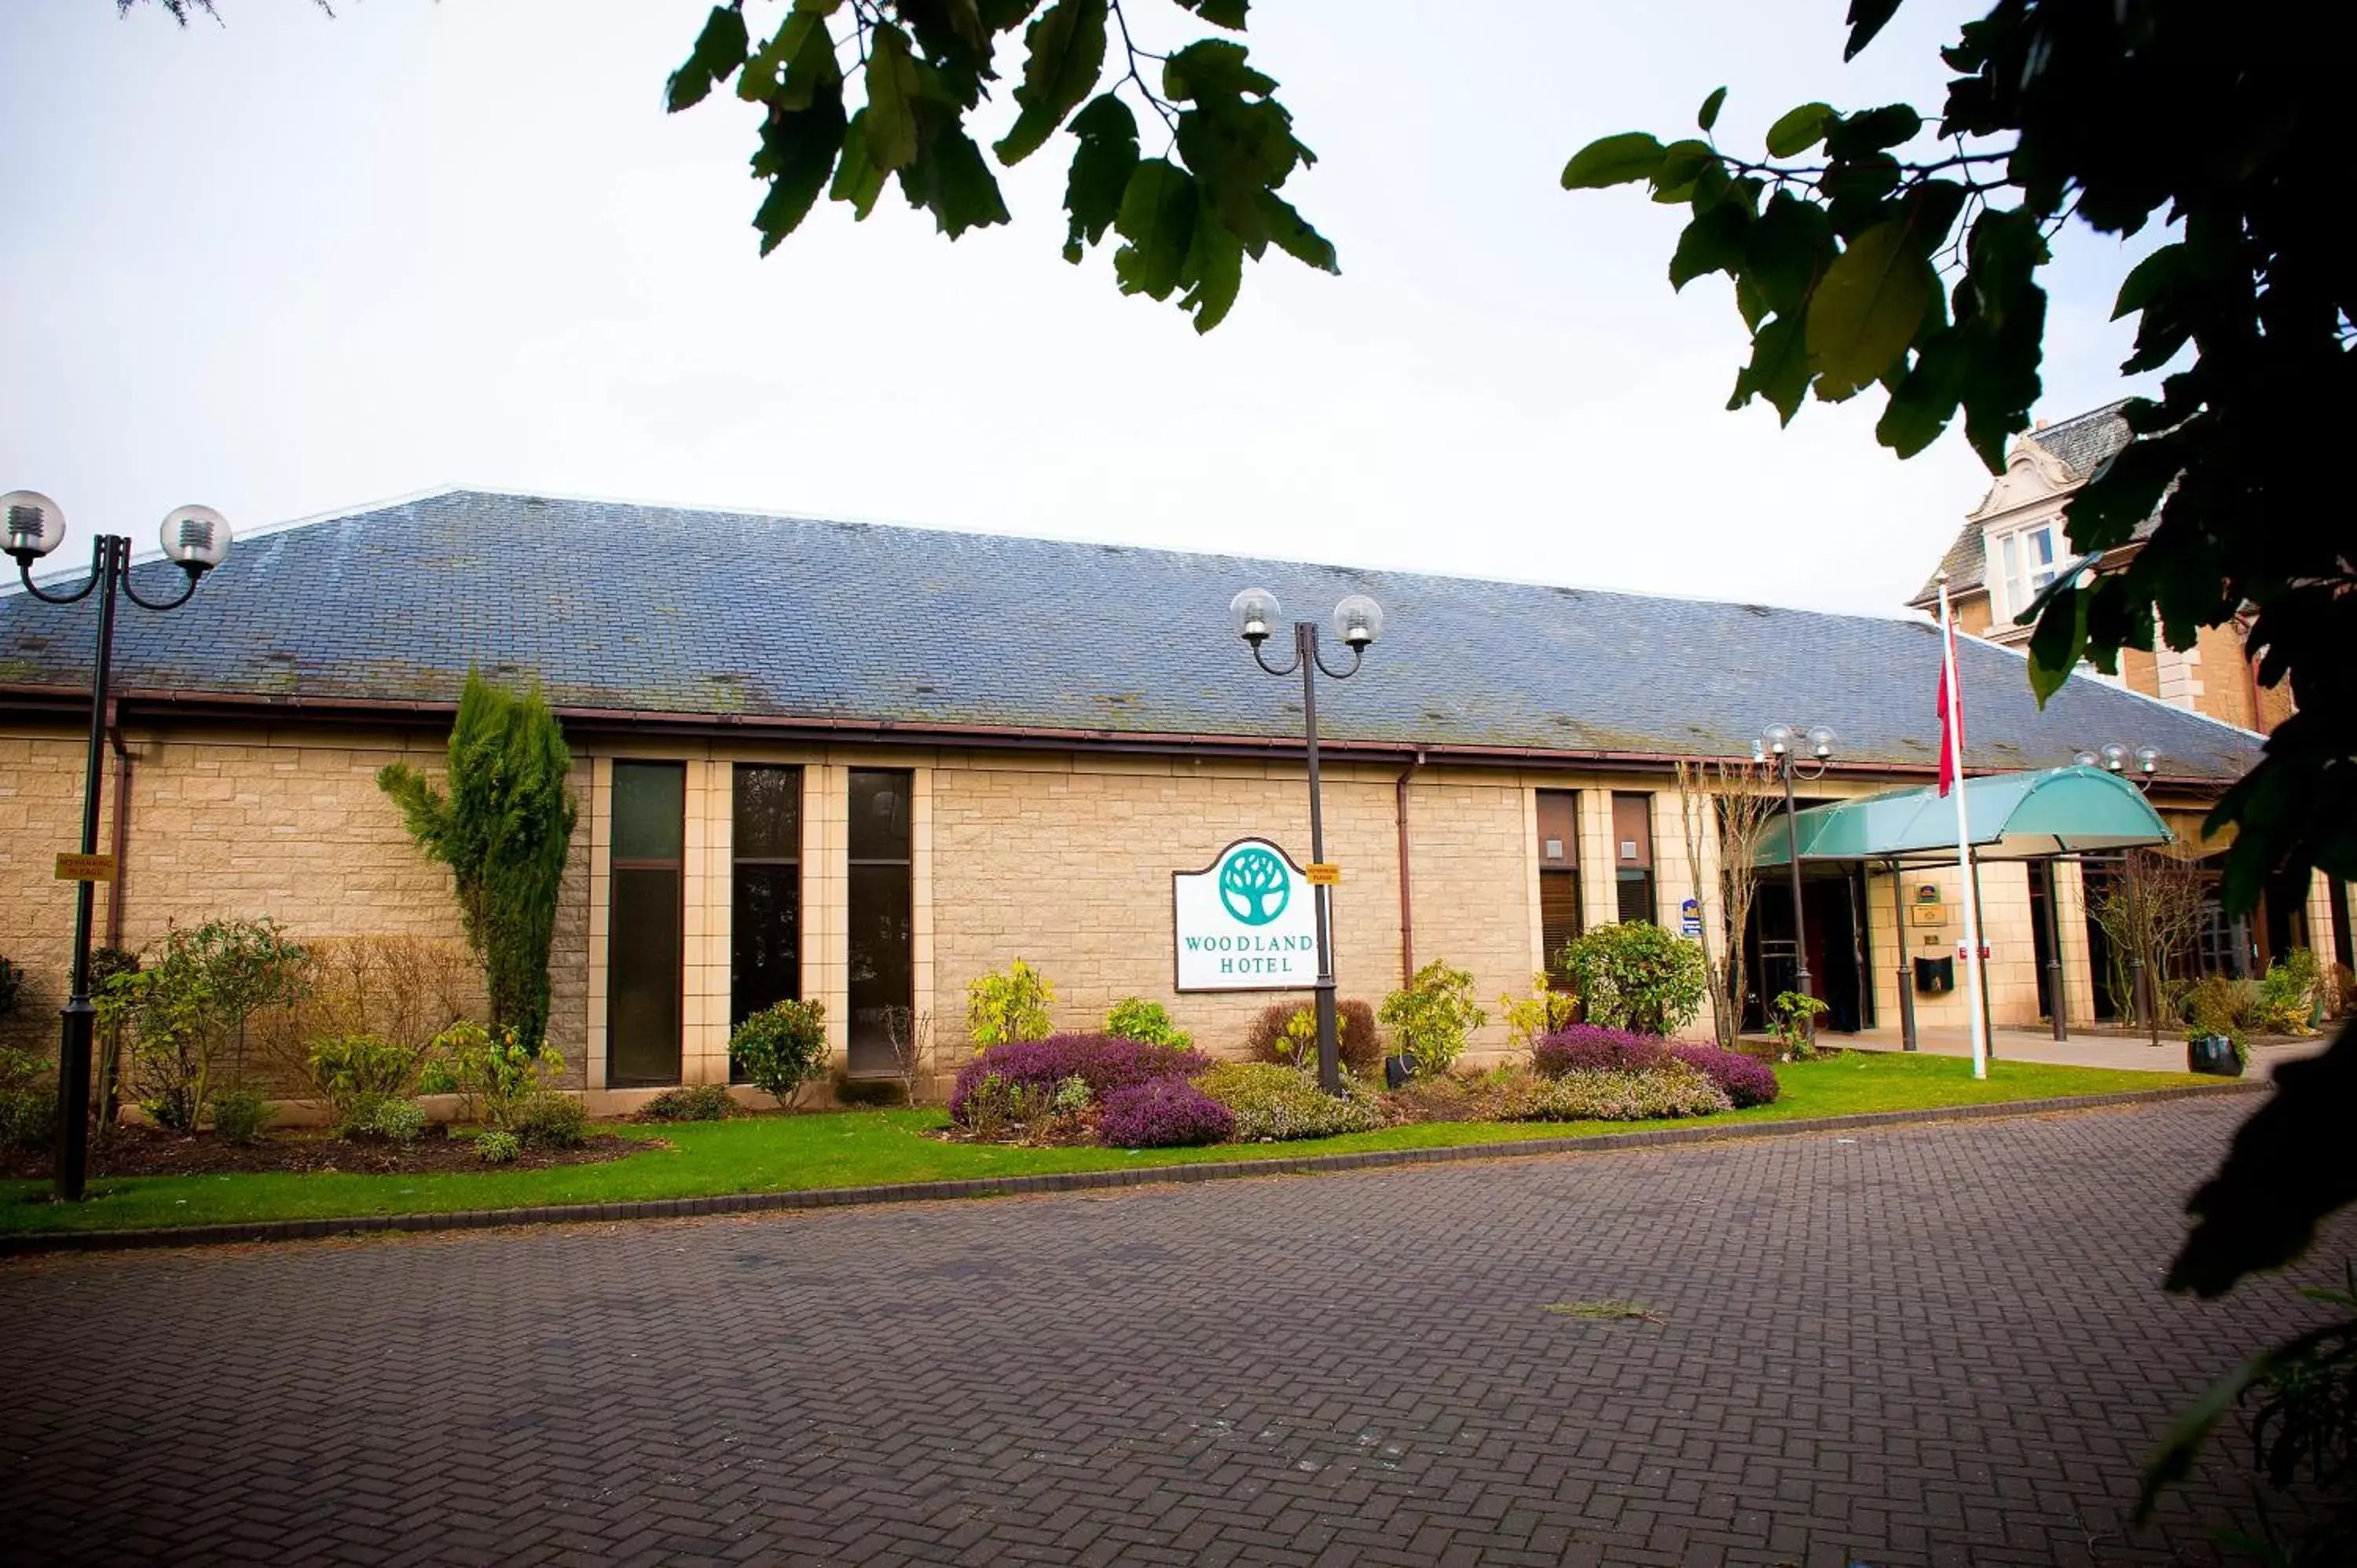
1592, 1047
1039, 1066
1747, 1081
1163, 1113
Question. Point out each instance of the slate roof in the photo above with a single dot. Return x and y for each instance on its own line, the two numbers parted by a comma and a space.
670, 611
2084, 443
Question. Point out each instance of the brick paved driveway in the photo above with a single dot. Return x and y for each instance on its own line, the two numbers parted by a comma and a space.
1938, 1344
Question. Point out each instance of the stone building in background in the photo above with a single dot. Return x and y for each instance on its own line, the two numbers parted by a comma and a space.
2014, 544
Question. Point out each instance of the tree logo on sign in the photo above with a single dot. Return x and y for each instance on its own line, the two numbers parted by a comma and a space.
1255, 887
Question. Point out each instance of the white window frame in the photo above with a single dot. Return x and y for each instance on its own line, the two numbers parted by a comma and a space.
2016, 578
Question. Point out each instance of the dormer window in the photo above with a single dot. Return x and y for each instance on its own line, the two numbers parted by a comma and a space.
2027, 560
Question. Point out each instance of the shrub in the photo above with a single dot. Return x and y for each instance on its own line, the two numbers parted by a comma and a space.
1356, 1038
189, 1006
781, 1048
2288, 993
2215, 1004
1670, 1089
1272, 1102
1100, 1061
389, 1122
1530, 1019
352, 1072
551, 1121
1745, 1080
1632, 974
998, 1107
1164, 1113
394, 987
240, 1114
497, 1148
1592, 1047
1004, 1009
28, 1102
503, 828
493, 1079
1793, 1019
1431, 1017
703, 1102
1148, 1023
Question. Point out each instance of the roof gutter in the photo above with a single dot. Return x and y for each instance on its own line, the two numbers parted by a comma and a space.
151, 705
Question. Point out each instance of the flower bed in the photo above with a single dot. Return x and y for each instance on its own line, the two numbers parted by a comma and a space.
1668, 1089
1102, 1062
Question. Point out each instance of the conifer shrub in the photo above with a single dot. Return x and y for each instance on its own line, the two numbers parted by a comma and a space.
1272, 1102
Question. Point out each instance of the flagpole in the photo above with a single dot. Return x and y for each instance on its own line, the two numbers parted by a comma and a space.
1953, 721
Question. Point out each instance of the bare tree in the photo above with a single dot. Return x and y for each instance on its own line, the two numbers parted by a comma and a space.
908, 1035
1735, 800
2149, 909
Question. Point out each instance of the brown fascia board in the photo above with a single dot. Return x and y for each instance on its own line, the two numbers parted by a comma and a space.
149, 706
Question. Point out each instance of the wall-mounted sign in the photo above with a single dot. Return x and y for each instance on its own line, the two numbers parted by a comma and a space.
1690, 918
1322, 874
1927, 893
85, 868
1929, 914
1247, 921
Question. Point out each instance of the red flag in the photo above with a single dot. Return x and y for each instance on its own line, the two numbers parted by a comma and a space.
1951, 718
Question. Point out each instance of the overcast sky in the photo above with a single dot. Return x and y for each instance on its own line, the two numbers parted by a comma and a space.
290, 265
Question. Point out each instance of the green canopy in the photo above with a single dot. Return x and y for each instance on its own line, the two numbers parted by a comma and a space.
2013, 816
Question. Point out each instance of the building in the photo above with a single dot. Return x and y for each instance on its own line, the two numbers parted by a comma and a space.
866, 765
2014, 544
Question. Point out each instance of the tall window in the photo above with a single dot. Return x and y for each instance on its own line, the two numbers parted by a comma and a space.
764, 935
2027, 562
1632, 855
643, 924
883, 970
1558, 877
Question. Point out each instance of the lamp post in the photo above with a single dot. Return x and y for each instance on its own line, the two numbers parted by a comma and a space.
1358, 621
195, 539
2114, 758
1775, 746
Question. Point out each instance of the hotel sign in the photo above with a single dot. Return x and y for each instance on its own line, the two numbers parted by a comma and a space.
1248, 921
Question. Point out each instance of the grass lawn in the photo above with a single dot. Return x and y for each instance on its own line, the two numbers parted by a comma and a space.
859, 1148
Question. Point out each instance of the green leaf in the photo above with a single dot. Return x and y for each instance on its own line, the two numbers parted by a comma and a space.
858, 180
1708, 116
1797, 130
2162, 272
1683, 164
719, 49
1786, 250
798, 152
1865, 20
892, 90
785, 71
1212, 271
1067, 49
950, 180
1871, 130
1868, 308
1101, 165
1711, 243
1157, 220
1613, 160
1213, 68
2174, 1459
1228, 14
1779, 370
1926, 398
2060, 639
1292, 235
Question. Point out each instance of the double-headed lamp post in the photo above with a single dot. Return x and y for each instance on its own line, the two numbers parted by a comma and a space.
2117, 760
1358, 621
1776, 746
195, 539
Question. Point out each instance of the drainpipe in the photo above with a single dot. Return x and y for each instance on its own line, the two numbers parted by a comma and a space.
1407, 906
121, 825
